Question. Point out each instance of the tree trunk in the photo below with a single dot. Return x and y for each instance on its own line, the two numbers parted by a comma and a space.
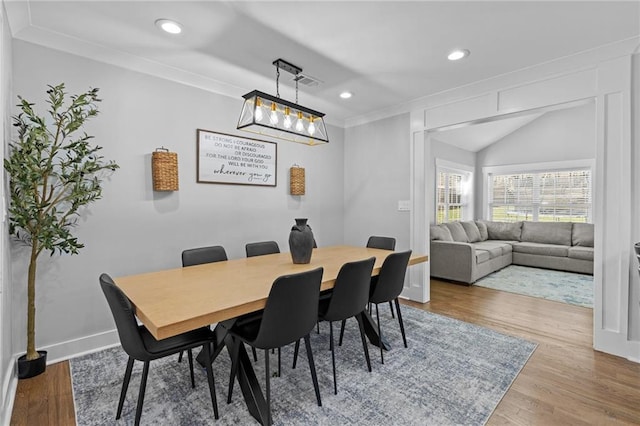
31, 305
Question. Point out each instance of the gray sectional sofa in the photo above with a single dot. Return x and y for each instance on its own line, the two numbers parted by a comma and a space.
468, 251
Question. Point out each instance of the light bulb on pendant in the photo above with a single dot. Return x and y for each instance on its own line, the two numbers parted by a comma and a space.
258, 113
312, 127
299, 123
273, 117
287, 118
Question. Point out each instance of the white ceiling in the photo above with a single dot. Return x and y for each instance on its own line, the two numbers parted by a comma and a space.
480, 135
387, 53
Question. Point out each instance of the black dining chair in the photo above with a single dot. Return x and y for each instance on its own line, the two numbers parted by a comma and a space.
290, 313
199, 256
261, 248
348, 299
140, 345
384, 243
389, 286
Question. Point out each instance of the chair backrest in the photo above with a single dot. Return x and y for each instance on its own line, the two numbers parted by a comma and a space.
198, 256
291, 310
125, 319
385, 243
391, 277
261, 248
351, 290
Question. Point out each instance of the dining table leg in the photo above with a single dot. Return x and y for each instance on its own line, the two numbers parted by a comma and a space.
249, 385
371, 330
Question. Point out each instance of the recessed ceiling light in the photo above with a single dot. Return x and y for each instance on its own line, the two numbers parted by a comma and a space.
458, 54
172, 27
346, 95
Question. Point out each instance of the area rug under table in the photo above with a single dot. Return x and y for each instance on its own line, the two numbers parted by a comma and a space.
567, 287
452, 373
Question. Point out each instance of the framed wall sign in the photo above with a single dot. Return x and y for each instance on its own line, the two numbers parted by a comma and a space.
236, 160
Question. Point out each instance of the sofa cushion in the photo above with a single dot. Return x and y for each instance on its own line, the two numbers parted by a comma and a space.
482, 227
541, 249
502, 247
504, 230
582, 235
547, 233
457, 232
472, 231
584, 253
482, 256
439, 232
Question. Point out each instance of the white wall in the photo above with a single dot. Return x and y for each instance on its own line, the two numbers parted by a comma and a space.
634, 290
376, 177
443, 151
7, 375
561, 135
132, 229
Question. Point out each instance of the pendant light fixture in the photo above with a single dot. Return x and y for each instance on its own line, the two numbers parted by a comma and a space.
269, 115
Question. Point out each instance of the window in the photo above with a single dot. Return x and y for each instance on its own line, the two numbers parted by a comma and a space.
542, 196
453, 192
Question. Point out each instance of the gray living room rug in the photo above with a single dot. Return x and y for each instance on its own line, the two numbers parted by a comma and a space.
567, 287
453, 373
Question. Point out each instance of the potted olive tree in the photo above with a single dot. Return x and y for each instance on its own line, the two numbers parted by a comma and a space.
54, 171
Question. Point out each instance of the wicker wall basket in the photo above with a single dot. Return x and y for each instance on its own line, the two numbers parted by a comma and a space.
296, 175
164, 166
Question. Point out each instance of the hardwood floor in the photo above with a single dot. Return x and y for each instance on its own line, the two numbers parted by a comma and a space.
564, 382
45, 400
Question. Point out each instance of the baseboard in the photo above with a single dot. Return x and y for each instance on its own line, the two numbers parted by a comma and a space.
634, 351
10, 385
415, 293
72, 348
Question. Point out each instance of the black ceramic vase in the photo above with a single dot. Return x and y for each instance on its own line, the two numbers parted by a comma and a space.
301, 242
32, 368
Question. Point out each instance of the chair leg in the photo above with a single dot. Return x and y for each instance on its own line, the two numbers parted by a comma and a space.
268, 385
190, 357
235, 351
279, 365
125, 386
180, 356
379, 335
295, 354
318, 327
404, 337
143, 385
255, 354
212, 386
364, 341
312, 367
344, 322
391, 307
333, 358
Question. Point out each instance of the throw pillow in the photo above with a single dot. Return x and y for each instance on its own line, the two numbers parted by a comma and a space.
482, 227
472, 231
457, 232
582, 234
506, 231
439, 232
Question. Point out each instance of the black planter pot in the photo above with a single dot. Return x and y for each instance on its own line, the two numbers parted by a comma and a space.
32, 368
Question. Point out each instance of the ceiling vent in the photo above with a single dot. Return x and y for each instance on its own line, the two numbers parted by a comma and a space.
307, 80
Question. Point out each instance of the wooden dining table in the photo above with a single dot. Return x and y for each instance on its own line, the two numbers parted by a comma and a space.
173, 301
